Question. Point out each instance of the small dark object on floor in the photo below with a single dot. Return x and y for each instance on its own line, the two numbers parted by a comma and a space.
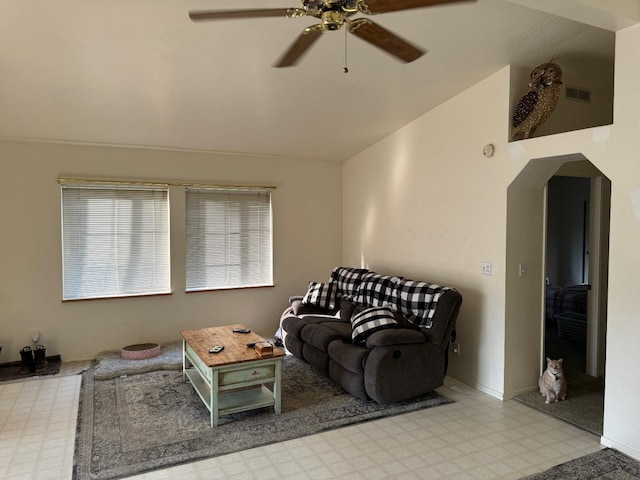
40, 359
26, 361
11, 370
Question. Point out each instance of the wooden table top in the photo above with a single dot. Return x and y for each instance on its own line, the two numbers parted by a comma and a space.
235, 345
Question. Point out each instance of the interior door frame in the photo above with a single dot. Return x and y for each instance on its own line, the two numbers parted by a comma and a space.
599, 211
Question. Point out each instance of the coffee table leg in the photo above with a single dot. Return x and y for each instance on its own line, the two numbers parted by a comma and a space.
276, 390
215, 406
184, 360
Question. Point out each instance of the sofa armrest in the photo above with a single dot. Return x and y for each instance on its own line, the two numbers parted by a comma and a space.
395, 336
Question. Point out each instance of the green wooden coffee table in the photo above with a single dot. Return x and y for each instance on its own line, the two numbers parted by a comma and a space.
236, 379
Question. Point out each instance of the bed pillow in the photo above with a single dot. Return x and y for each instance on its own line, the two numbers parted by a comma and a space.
370, 321
321, 295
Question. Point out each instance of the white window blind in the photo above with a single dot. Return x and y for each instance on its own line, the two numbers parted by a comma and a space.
115, 241
229, 238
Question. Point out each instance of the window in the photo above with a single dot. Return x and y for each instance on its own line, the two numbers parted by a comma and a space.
115, 240
229, 240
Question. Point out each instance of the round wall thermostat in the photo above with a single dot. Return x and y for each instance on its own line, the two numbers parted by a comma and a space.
488, 150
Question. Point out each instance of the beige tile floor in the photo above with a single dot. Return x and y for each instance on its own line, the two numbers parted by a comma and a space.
477, 437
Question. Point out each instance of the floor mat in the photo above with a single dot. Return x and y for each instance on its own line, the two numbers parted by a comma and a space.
11, 370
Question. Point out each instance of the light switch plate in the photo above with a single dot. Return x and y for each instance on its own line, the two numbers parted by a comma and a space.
486, 268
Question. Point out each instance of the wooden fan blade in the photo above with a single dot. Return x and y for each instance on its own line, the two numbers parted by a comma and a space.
230, 14
384, 39
302, 44
372, 7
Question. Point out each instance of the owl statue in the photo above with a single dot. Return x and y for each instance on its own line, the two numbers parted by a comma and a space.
535, 107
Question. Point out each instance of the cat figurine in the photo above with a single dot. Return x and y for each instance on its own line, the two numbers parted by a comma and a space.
553, 383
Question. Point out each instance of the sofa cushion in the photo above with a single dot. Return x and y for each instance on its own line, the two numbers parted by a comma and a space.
347, 310
321, 295
293, 325
396, 336
350, 357
316, 357
320, 335
370, 321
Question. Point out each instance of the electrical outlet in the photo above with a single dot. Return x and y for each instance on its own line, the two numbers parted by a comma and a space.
455, 348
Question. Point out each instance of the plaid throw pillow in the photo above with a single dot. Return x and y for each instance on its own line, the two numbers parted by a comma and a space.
370, 321
321, 295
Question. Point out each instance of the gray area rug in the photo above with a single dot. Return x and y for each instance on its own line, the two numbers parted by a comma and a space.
112, 365
138, 423
604, 464
584, 406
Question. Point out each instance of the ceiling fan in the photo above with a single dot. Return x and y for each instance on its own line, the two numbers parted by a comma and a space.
333, 14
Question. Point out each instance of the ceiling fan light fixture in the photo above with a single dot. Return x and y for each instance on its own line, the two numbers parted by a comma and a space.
296, 13
332, 20
333, 14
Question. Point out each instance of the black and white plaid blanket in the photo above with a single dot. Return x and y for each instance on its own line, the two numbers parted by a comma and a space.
347, 280
417, 301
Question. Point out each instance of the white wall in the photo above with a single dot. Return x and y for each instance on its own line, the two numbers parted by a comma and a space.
622, 165
426, 204
307, 243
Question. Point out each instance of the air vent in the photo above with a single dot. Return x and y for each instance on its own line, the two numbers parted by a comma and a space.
577, 94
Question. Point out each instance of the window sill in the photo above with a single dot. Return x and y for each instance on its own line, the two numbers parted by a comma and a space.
218, 289
113, 297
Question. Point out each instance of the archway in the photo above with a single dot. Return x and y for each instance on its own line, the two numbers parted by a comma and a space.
525, 269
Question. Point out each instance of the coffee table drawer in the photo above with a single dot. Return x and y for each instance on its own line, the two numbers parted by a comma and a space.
244, 375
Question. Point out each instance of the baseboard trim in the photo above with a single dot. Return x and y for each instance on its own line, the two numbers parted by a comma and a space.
522, 391
479, 387
621, 447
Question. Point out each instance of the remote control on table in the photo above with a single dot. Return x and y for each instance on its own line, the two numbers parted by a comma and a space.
217, 349
241, 330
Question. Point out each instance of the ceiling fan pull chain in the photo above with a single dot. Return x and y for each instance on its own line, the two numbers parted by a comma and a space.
345, 69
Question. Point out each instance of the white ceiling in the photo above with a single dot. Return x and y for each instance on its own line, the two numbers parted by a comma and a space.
139, 72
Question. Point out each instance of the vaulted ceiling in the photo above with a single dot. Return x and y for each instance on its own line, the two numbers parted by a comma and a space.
141, 73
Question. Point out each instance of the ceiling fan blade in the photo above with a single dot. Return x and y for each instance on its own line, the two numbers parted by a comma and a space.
230, 14
384, 39
302, 44
372, 7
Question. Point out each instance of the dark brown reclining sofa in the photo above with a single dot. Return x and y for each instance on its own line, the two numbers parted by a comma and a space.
377, 336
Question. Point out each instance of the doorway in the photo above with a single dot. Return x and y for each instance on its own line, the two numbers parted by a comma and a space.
526, 271
575, 323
